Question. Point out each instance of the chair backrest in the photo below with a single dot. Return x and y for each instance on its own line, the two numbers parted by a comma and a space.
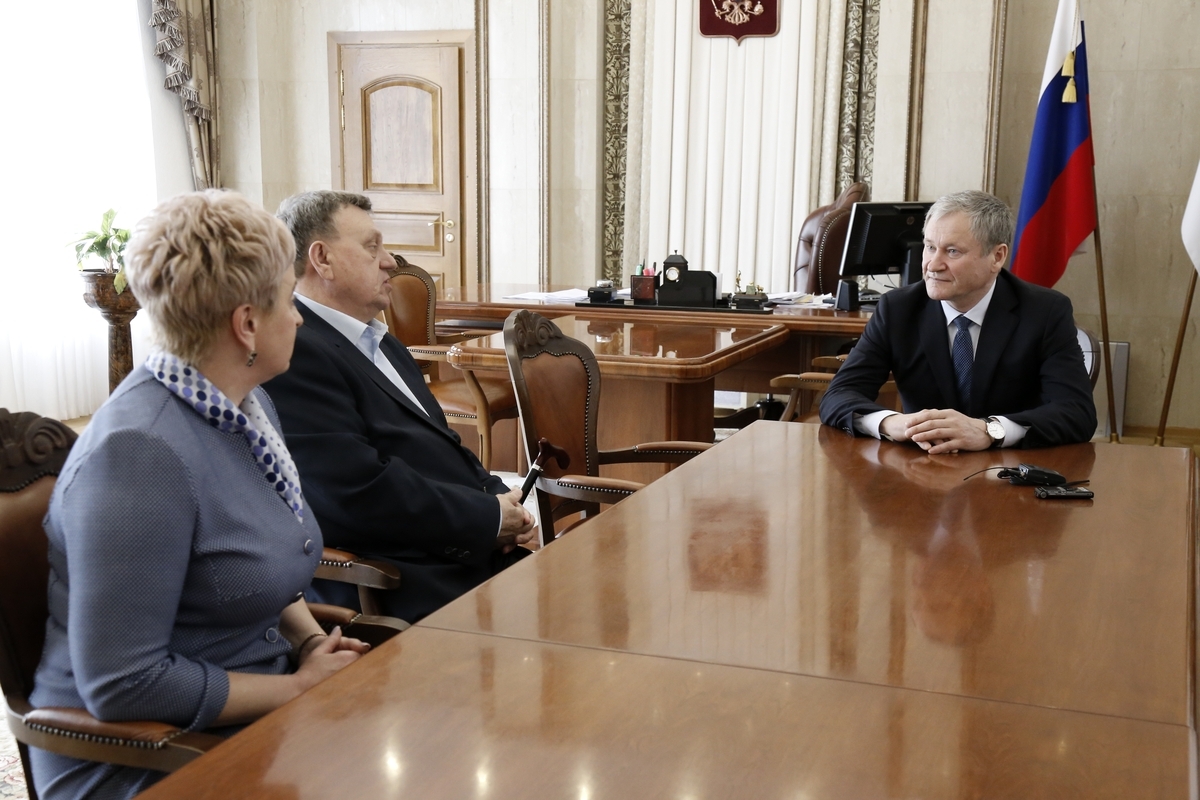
822, 240
32, 452
410, 316
557, 383
1090, 346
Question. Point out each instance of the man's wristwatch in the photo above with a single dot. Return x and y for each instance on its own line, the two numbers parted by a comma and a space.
995, 429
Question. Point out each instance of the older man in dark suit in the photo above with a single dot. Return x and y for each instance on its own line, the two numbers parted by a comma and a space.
981, 358
383, 472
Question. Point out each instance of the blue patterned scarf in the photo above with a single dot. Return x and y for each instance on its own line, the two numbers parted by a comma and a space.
199, 393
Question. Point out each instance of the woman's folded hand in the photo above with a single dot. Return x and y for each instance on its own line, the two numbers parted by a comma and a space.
326, 655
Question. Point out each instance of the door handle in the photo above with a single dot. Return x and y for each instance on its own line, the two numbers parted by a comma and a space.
448, 223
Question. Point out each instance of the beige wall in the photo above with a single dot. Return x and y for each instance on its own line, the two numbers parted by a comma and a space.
576, 140
273, 68
1144, 69
954, 118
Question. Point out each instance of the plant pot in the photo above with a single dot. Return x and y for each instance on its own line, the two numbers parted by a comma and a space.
117, 310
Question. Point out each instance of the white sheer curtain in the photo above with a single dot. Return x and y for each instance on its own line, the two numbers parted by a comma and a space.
724, 173
77, 141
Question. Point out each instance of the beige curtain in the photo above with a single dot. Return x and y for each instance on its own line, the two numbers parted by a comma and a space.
844, 102
728, 148
719, 144
187, 47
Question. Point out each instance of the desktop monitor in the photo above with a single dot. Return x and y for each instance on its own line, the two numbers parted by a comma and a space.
885, 238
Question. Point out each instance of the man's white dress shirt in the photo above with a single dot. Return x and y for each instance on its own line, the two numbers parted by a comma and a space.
367, 338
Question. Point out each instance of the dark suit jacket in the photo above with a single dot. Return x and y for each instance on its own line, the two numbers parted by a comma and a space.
383, 478
1028, 365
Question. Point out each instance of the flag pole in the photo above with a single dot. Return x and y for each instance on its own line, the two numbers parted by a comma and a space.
1187, 310
1105, 356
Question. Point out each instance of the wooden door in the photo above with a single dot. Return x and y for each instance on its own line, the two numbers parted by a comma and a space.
400, 144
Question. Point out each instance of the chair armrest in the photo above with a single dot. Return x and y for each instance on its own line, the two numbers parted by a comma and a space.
805, 381
75, 733
372, 629
668, 452
589, 489
458, 337
829, 362
338, 565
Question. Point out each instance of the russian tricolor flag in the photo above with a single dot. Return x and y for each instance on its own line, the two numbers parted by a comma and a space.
1058, 203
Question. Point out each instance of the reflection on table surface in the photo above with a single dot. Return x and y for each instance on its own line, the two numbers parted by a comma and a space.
639, 339
797, 548
439, 714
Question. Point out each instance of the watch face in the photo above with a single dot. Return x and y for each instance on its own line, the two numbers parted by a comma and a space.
995, 429
672, 273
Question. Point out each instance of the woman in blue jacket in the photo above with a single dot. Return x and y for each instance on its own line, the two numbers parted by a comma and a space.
180, 545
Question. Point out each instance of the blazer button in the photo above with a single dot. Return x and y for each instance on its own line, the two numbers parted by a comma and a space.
449, 551
272, 635
466, 553
308, 547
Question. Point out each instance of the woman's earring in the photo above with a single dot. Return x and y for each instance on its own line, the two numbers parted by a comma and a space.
250, 360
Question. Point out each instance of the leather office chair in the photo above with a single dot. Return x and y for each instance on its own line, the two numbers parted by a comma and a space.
410, 318
822, 240
33, 450
815, 270
557, 382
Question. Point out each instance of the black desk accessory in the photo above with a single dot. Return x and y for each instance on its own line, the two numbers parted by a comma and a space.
1051, 484
1032, 475
847, 296
602, 292
680, 286
1063, 493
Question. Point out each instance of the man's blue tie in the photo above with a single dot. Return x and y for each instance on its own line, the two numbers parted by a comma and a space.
964, 360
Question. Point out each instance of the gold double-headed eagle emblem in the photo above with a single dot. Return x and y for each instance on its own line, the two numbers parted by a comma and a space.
737, 12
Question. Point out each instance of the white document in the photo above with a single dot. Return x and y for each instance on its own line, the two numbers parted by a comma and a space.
564, 296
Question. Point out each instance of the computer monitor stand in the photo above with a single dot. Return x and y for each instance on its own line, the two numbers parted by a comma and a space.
912, 264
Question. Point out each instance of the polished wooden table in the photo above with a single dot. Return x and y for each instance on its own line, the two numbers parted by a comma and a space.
795, 613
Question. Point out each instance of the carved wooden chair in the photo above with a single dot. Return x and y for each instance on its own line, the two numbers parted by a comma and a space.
410, 318
557, 383
33, 450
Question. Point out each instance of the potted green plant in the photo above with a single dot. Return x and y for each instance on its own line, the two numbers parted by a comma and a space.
104, 290
108, 244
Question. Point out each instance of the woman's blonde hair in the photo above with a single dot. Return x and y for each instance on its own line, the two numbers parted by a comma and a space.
199, 256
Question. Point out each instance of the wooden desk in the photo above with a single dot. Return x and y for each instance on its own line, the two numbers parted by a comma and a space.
657, 376
811, 330
795, 613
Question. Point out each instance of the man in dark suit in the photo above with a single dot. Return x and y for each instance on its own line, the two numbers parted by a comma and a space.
981, 358
380, 467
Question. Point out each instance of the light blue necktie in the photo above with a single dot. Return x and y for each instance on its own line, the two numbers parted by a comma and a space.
964, 361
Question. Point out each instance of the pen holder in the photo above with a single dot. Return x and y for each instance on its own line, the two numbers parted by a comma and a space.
642, 289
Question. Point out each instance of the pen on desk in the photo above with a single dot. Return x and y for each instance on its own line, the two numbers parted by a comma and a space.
545, 450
